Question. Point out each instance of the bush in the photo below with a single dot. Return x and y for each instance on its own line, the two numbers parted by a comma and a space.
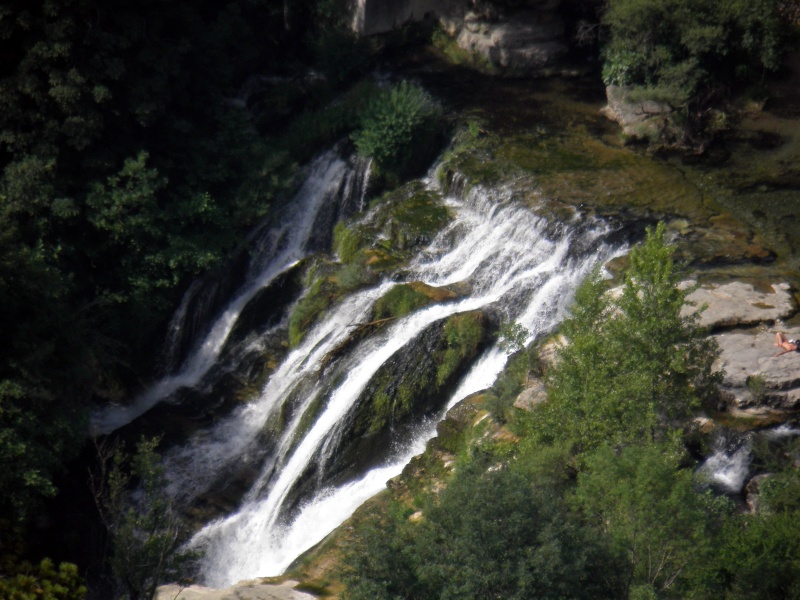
683, 52
399, 129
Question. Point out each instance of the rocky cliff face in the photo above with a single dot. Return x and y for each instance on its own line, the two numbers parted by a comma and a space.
526, 38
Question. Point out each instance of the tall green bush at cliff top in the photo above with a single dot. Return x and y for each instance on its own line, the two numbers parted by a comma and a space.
399, 129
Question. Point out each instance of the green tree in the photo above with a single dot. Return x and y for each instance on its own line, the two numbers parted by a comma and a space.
690, 53
490, 534
145, 531
633, 366
653, 513
399, 129
759, 556
44, 581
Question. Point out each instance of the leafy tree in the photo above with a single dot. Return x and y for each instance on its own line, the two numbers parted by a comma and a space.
399, 129
144, 529
490, 534
690, 53
651, 510
759, 556
633, 366
44, 581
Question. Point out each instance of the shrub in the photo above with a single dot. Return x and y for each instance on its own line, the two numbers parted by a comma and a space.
399, 129
678, 50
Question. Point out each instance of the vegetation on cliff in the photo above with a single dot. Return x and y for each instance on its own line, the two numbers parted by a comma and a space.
603, 469
692, 56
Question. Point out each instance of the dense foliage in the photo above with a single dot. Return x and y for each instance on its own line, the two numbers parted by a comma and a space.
489, 535
399, 129
145, 531
634, 366
690, 54
598, 497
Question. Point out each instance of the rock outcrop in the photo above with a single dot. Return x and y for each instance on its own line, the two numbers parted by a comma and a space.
244, 590
738, 304
370, 17
526, 41
638, 118
521, 38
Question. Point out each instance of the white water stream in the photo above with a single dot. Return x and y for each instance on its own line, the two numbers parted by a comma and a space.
512, 260
285, 245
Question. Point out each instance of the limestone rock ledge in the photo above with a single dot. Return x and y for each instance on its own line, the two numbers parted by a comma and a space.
638, 119
523, 42
244, 590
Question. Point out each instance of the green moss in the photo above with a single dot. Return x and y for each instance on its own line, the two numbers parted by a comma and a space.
308, 419
347, 241
397, 392
463, 334
399, 301
308, 309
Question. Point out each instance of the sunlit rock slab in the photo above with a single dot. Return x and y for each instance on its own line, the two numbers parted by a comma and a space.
245, 590
755, 379
739, 303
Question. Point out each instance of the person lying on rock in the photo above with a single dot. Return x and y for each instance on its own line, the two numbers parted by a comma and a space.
786, 344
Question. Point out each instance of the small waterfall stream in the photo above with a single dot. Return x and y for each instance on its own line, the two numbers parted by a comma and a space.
513, 262
330, 182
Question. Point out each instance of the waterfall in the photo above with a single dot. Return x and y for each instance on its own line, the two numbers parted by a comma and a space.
304, 226
512, 261
729, 466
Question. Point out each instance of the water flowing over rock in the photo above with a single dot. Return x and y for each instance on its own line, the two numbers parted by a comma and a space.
201, 328
305, 453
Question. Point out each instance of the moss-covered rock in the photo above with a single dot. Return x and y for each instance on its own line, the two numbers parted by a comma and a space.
415, 382
405, 298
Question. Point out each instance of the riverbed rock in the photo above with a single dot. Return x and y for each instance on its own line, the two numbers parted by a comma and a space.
756, 382
532, 396
244, 590
740, 303
639, 119
752, 491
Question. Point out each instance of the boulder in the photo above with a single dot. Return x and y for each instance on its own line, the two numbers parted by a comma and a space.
756, 381
244, 590
638, 119
752, 491
526, 42
739, 303
532, 396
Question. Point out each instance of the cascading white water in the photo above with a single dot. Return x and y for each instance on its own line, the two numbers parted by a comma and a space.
275, 253
511, 260
728, 469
